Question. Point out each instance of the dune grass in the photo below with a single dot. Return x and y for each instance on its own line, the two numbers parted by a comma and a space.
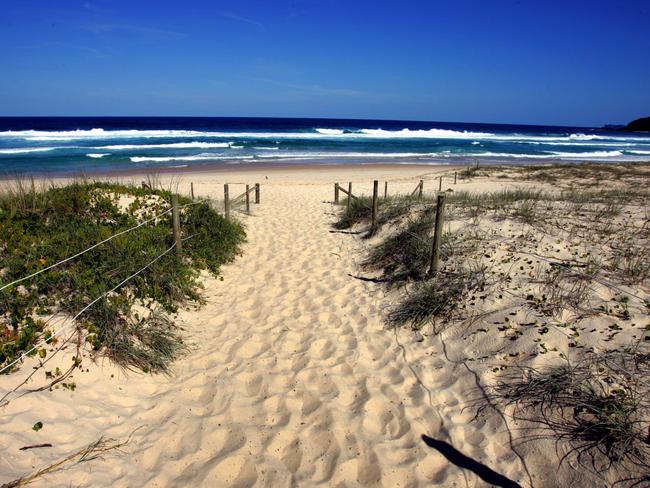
389, 210
39, 228
546, 253
601, 405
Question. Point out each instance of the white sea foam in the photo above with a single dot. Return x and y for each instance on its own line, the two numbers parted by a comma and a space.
21, 150
197, 157
580, 144
549, 155
424, 134
99, 134
171, 145
335, 155
42, 135
595, 154
97, 155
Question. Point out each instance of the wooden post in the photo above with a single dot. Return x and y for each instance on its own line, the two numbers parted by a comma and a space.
226, 201
349, 196
375, 191
437, 235
421, 189
440, 183
385, 190
176, 225
257, 193
336, 193
455, 175
192, 189
248, 200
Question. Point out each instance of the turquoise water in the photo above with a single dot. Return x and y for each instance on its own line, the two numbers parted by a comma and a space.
70, 145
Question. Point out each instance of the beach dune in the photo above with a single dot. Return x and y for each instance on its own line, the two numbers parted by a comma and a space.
292, 378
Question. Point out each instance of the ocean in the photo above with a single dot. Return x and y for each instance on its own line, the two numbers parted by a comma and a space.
71, 145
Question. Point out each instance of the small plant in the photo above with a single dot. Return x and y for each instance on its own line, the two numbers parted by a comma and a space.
389, 210
405, 254
438, 297
38, 229
598, 405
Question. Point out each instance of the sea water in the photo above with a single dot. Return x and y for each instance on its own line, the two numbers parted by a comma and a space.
69, 145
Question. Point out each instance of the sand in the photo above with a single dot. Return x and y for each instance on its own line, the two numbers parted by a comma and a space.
293, 378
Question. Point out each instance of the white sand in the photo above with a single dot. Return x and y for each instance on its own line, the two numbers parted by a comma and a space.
293, 378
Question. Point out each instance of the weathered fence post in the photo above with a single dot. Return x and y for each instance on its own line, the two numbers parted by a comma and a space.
421, 189
176, 225
375, 192
336, 193
455, 175
385, 190
349, 196
226, 201
257, 193
437, 235
192, 189
248, 200
440, 183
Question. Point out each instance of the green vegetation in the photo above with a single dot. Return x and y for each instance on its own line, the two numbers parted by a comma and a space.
131, 326
601, 405
389, 210
403, 258
527, 272
404, 255
437, 298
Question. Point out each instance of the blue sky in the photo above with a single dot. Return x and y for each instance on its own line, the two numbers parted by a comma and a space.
551, 62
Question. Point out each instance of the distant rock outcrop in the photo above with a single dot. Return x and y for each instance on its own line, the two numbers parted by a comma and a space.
613, 127
639, 125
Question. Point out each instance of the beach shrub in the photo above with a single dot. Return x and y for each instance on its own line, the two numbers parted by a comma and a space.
436, 298
600, 405
388, 210
39, 228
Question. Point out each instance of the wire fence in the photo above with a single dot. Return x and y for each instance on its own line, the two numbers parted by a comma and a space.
71, 321
377, 201
174, 210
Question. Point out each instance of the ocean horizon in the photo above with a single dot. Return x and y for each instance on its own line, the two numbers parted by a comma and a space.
68, 145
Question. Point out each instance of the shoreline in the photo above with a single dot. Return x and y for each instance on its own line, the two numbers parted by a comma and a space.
221, 169
319, 167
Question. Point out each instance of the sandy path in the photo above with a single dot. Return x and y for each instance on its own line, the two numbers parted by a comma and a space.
292, 381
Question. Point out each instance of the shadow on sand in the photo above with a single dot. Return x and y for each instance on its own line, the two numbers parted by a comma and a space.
459, 459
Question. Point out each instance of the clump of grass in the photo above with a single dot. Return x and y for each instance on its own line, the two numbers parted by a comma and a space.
600, 405
469, 172
405, 254
59, 222
360, 210
565, 290
632, 262
388, 210
501, 203
583, 171
438, 297
149, 343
